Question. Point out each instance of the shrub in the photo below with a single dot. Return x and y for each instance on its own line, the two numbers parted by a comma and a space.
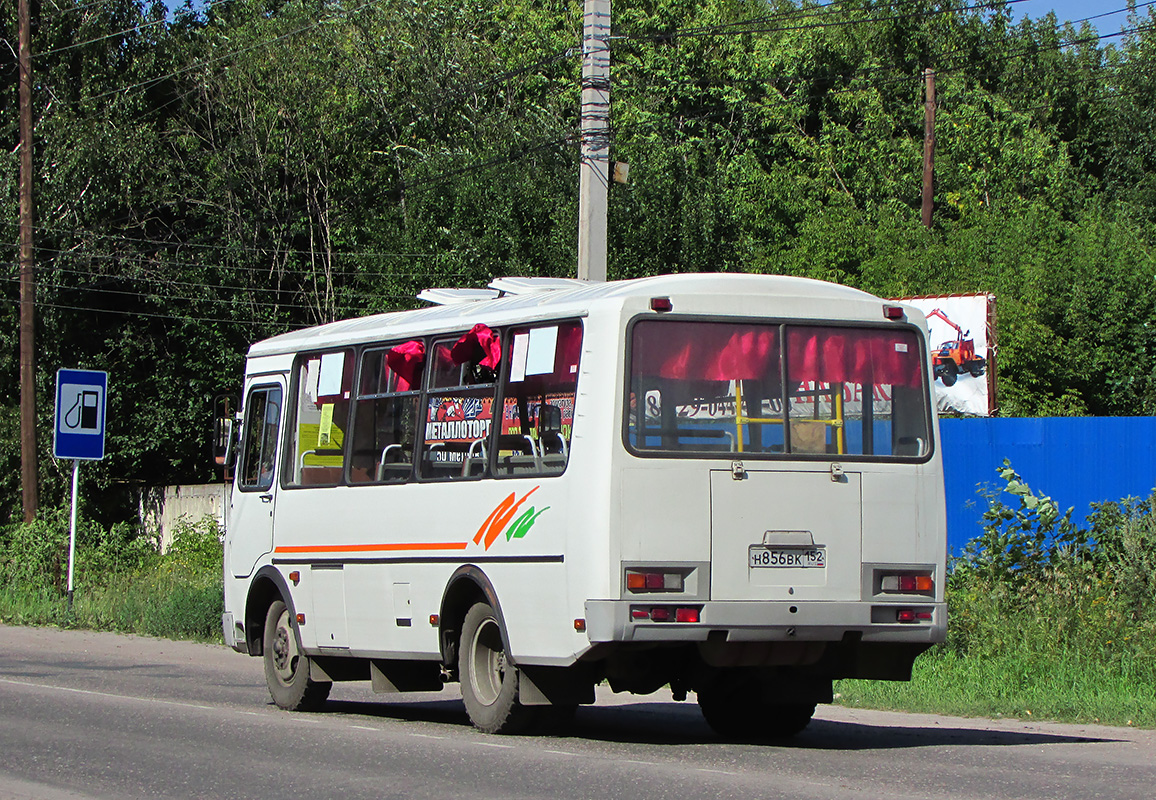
122, 581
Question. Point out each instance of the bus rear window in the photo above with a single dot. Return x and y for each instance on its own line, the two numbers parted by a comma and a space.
777, 390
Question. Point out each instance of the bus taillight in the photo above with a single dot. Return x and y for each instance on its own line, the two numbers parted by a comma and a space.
908, 584
912, 615
653, 581
665, 613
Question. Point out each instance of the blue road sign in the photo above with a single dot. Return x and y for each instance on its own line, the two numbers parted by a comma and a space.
81, 400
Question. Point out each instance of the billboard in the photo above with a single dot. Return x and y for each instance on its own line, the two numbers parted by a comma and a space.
962, 342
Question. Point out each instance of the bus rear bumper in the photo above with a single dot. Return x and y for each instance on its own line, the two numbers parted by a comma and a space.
766, 621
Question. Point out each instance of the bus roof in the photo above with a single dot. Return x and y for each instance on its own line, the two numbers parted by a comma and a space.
536, 300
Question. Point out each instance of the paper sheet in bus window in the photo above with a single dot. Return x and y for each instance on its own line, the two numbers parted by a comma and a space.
518, 355
325, 429
542, 351
332, 369
312, 367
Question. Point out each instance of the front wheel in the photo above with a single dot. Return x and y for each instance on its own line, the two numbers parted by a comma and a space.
489, 680
286, 667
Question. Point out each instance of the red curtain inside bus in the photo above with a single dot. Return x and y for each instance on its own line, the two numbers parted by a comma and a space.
705, 350
853, 355
405, 361
726, 352
569, 351
479, 345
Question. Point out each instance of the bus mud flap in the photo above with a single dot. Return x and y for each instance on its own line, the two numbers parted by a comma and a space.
544, 686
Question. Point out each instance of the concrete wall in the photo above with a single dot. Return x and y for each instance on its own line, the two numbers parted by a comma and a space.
193, 502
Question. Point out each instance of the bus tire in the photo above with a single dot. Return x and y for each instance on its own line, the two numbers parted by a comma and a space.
286, 667
732, 715
489, 681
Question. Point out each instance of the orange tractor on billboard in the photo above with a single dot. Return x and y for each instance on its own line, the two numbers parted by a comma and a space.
955, 356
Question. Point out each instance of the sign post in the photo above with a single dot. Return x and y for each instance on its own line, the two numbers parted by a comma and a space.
81, 402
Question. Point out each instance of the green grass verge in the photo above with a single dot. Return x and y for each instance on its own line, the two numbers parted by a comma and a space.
1023, 686
122, 584
149, 604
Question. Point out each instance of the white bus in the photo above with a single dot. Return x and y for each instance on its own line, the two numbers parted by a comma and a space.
726, 484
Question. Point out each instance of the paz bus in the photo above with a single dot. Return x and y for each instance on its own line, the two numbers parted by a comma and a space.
728, 485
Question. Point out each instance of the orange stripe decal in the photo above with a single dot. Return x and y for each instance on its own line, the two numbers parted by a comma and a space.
501, 517
502, 506
370, 548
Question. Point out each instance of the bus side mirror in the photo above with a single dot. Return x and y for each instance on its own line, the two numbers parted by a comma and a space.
223, 450
224, 428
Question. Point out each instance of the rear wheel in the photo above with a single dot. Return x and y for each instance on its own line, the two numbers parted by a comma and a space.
489, 680
733, 715
286, 667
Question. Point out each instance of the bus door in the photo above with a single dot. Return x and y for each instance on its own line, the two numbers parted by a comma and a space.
250, 532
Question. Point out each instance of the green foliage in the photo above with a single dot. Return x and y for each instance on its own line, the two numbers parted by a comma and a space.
196, 546
1014, 547
122, 582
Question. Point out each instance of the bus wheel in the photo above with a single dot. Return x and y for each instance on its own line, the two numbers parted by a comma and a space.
732, 715
489, 681
286, 667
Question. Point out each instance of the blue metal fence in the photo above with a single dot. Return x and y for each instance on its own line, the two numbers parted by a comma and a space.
1074, 460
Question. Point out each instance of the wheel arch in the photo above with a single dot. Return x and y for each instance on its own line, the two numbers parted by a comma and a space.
467, 586
267, 585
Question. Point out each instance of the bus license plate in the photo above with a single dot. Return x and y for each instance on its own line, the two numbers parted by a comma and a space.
761, 555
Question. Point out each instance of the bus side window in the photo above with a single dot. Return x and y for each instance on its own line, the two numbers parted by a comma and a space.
316, 456
538, 400
459, 405
386, 414
259, 445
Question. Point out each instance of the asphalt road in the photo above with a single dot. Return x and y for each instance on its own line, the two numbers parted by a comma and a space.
92, 715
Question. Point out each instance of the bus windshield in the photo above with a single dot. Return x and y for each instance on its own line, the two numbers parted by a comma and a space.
702, 387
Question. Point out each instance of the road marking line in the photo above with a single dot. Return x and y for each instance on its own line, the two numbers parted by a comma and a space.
561, 752
428, 736
715, 771
488, 744
107, 694
363, 728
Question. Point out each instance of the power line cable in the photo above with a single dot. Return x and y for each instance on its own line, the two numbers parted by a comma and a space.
253, 302
226, 247
727, 30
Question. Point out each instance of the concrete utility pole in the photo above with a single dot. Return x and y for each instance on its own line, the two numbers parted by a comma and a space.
595, 168
28, 469
928, 145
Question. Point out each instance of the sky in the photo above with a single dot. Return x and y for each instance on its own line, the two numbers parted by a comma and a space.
1070, 10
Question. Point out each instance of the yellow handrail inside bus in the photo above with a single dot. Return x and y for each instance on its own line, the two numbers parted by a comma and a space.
742, 419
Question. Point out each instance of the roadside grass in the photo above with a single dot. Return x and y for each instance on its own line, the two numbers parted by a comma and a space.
122, 582
1021, 686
